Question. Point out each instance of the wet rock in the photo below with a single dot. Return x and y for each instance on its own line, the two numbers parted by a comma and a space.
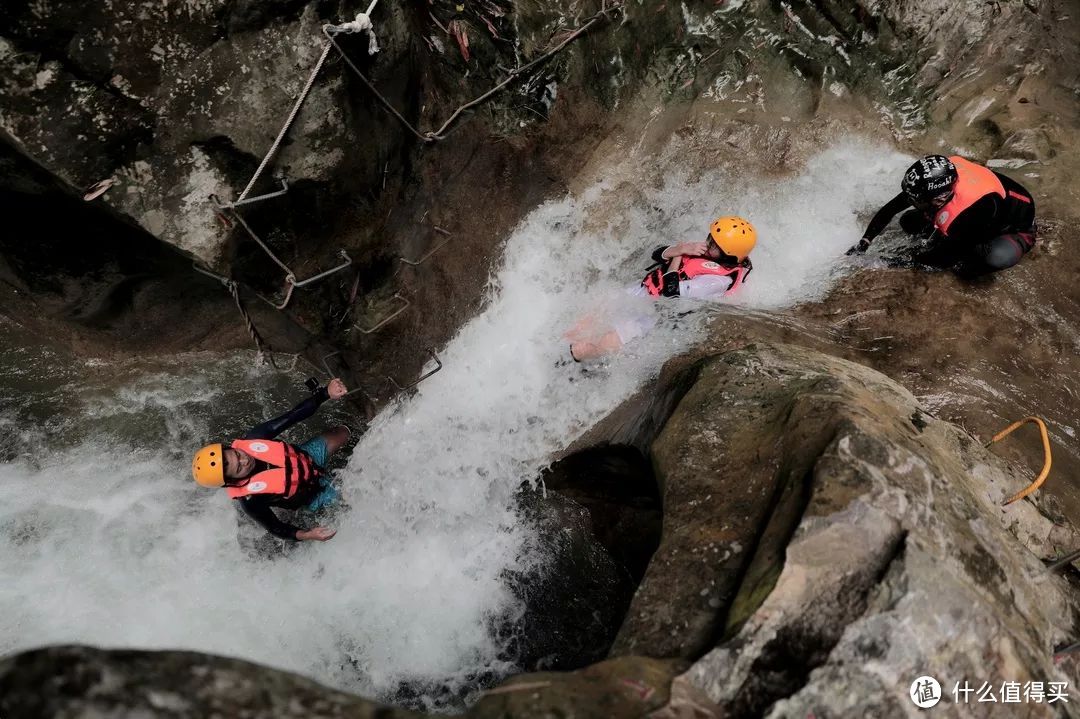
1028, 144
70, 682
75, 682
573, 603
175, 109
77, 274
902, 563
615, 484
621, 687
723, 462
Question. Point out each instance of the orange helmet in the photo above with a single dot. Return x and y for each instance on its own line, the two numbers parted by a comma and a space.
734, 236
208, 466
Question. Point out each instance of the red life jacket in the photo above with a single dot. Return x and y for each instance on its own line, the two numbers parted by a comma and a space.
292, 469
973, 183
699, 266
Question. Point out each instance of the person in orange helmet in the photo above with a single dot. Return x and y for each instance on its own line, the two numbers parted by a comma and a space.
262, 473
714, 268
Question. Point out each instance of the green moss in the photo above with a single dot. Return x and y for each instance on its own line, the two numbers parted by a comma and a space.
753, 592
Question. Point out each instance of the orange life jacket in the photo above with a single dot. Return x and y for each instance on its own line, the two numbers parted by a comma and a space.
292, 469
973, 183
692, 267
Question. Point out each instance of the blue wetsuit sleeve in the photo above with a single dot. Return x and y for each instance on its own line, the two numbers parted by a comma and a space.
264, 515
273, 427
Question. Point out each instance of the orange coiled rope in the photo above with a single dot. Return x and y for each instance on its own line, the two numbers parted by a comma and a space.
1046, 453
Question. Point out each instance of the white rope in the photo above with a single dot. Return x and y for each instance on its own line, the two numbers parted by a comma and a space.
288, 123
362, 23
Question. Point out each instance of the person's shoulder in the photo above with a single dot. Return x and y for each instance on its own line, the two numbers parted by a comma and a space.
987, 202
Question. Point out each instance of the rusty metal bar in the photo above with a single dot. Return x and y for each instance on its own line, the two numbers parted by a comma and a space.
429, 253
421, 378
391, 316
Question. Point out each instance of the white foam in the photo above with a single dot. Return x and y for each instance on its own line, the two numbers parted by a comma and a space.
104, 539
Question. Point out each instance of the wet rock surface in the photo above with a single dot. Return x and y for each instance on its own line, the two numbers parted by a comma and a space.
82, 682
572, 603
902, 563
616, 487
72, 682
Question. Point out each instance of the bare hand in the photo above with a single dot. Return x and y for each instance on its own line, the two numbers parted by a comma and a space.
336, 388
690, 249
318, 534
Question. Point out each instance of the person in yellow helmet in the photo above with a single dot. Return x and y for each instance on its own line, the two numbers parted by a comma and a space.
714, 268
262, 473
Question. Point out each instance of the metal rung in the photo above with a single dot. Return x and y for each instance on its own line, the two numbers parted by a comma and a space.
429, 253
321, 275
259, 198
288, 295
323, 371
1063, 561
290, 277
274, 364
421, 378
394, 314
330, 375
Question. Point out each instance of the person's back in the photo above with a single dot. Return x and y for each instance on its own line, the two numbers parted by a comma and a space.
982, 221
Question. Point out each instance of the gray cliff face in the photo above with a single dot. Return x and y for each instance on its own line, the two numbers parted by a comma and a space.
175, 103
181, 101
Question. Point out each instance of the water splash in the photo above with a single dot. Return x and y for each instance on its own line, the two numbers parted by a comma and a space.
103, 538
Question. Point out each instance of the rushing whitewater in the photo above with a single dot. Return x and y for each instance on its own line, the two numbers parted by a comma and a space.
105, 540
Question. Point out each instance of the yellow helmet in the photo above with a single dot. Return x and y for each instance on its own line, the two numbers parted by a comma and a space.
208, 467
734, 236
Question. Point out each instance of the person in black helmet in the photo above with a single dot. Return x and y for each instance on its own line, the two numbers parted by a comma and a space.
978, 221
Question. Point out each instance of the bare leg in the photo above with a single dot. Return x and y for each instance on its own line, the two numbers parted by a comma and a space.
584, 327
335, 438
606, 345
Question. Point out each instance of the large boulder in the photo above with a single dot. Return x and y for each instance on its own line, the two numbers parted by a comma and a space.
827, 541
78, 682
82, 683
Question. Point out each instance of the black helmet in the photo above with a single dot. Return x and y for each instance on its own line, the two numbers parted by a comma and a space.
930, 177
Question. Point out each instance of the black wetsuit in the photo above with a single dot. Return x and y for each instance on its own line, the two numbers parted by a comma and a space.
990, 235
259, 507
